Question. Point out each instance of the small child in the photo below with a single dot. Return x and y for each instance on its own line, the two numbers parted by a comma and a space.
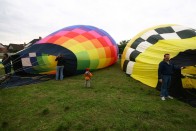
87, 76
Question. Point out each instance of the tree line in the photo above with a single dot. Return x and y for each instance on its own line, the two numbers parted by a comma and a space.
122, 45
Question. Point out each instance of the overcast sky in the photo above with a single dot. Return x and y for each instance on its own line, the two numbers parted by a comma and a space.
23, 20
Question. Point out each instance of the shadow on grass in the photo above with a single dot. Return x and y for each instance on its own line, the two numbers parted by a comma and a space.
4, 124
45, 112
64, 127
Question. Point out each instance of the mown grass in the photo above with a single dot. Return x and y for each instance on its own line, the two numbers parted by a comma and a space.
114, 102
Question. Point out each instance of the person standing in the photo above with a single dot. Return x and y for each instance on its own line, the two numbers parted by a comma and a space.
6, 61
87, 76
60, 66
165, 72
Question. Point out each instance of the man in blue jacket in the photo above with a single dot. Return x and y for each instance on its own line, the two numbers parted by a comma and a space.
165, 72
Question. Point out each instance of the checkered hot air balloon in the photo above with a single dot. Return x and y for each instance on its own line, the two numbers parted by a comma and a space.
145, 51
83, 47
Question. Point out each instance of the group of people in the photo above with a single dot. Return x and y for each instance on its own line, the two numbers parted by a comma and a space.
165, 72
60, 67
6, 61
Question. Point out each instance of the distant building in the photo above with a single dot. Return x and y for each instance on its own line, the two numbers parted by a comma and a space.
12, 48
3, 48
32, 42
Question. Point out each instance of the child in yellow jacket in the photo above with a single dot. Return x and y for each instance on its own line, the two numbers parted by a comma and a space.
87, 76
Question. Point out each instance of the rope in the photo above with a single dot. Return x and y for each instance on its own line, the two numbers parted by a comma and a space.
14, 61
20, 69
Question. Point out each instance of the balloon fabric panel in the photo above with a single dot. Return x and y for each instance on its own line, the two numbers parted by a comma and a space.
83, 47
144, 52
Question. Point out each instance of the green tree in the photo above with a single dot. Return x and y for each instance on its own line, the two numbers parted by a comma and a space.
122, 45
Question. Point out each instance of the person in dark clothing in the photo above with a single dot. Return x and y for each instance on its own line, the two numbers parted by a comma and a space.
60, 66
6, 61
165, 71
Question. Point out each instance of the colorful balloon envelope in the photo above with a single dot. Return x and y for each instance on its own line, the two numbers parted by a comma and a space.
145, 51
82, 47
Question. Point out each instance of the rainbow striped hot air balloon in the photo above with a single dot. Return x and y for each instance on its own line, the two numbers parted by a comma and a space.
82, 46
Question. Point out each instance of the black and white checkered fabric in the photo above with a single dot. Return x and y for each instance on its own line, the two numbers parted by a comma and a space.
152, 37
29, 60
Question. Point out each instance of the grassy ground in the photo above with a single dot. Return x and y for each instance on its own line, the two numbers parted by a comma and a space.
115, 102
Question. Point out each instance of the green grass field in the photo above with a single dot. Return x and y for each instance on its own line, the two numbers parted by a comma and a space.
114, 102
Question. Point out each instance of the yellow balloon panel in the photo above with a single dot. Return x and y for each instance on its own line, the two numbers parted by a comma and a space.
146, 50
